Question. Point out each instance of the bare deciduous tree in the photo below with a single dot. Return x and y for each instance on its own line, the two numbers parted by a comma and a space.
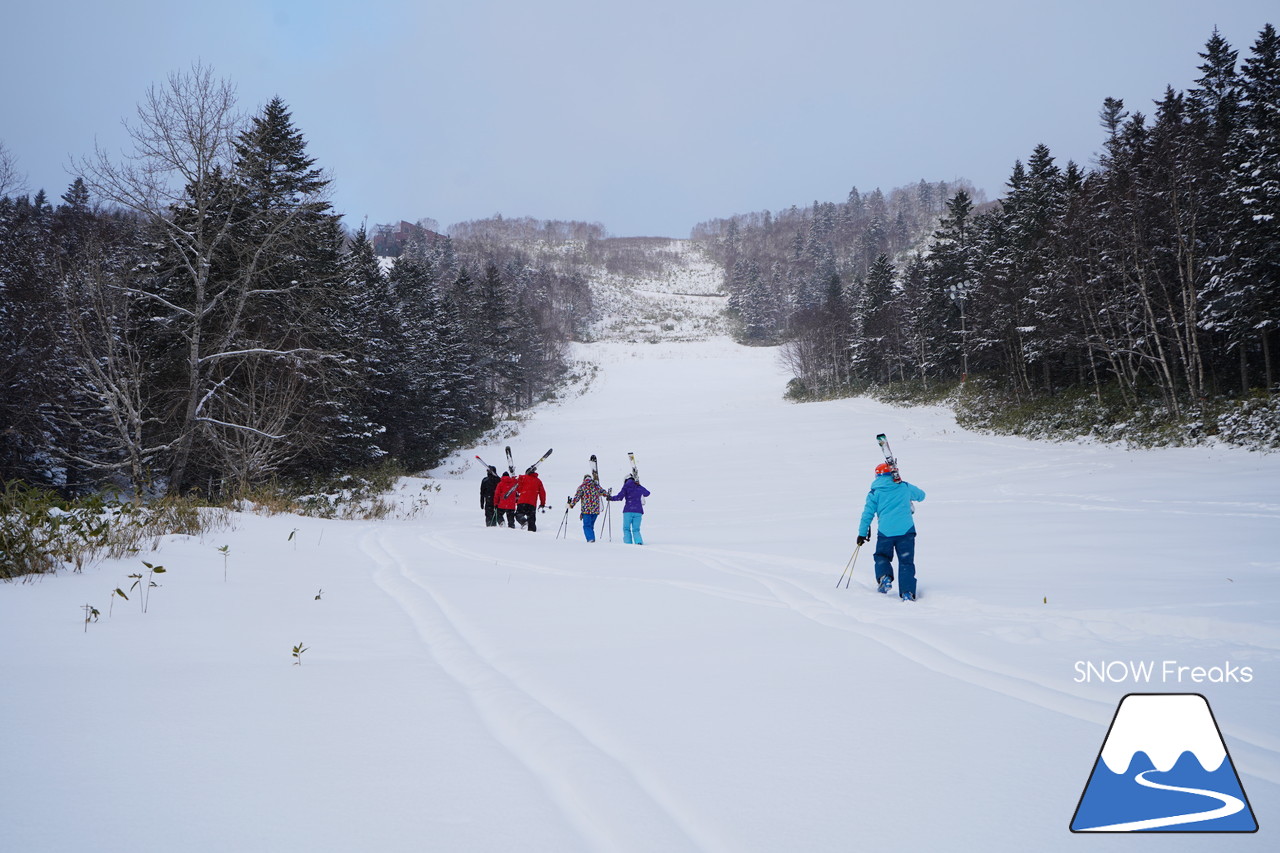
213, 282
113, 412
183, 145
11, 181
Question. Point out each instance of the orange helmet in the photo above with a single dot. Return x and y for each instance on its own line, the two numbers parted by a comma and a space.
884, 468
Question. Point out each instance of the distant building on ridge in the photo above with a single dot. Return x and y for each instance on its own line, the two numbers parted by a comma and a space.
389, 240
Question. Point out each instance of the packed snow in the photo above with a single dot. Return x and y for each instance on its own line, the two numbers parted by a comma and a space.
464, 688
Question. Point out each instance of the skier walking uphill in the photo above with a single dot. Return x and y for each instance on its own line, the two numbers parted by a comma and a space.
504, 501
529, 493
632, 510
487, 487
590, 493
890, 501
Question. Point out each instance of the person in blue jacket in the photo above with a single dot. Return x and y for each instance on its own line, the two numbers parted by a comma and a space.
890, 500
632, 510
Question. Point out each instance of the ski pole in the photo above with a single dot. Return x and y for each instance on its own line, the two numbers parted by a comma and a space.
852, 564
564, 522
848, 568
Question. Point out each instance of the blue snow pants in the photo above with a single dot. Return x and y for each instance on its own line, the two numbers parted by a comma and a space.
589, 525
905, 546
631, 528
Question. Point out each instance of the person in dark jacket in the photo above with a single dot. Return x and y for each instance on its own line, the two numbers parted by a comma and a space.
504, 500
529, 494
890, 500
633, 495
590, 494
487, 487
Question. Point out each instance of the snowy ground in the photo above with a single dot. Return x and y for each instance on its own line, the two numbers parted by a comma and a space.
474, 689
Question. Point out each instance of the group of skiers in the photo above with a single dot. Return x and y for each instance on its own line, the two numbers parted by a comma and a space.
512, 499
517, 499
632, 494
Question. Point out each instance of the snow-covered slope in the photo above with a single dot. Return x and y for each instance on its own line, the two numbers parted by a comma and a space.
683, 301
476, 689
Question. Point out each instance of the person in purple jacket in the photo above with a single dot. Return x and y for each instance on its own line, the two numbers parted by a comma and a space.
632, 510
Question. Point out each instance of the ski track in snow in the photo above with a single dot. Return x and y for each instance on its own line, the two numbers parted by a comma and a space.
915, 646
598, 792
1093, 503
928, 644
923, 642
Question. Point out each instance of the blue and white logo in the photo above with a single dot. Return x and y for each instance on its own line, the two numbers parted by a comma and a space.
1164, 768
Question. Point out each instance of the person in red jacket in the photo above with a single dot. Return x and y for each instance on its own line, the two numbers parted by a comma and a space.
530, 493
504, 500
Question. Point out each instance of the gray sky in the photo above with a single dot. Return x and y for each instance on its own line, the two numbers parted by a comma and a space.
647, 117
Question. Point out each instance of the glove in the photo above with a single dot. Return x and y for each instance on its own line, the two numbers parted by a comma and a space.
862, 540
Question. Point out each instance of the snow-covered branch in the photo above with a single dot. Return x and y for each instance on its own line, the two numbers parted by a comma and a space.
259, 351
241, 427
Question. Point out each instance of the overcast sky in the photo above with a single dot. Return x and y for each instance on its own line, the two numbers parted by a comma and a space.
647, 117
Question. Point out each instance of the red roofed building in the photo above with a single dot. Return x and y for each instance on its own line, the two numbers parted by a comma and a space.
389, 240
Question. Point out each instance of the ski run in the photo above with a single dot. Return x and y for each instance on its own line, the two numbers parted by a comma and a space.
466, 688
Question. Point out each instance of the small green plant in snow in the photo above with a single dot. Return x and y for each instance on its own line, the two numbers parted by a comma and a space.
144, 595
115, 593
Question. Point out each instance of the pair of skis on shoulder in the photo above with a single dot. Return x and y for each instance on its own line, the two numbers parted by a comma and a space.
595, 471
511, 467
595, 468
889, 457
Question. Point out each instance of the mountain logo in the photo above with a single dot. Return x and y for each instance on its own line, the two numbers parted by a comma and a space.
1164, 767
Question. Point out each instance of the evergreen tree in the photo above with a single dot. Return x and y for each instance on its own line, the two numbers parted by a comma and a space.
282, 399
753, 302
876, 348
924, 319
352, 327
1252, 286
31, 374
502, 339
951, 276
377, 347
443, 397
1213, 109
